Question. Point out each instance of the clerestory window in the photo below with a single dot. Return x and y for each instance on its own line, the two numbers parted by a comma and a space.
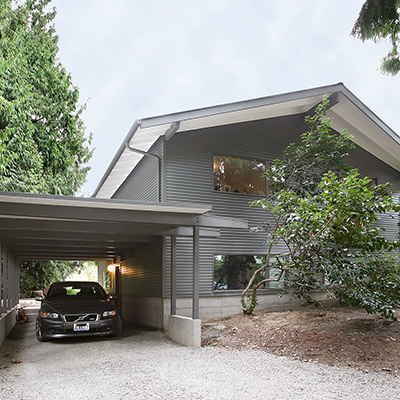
239, 175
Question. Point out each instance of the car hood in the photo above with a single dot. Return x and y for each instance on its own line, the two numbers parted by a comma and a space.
77, 306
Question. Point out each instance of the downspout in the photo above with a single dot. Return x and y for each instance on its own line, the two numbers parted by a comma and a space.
169, 133
146, 153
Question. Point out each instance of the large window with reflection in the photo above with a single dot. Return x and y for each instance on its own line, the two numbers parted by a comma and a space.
233, 272
239, 175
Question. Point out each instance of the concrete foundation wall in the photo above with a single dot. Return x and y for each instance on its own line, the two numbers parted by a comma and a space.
184, 330
7, 322
215, 307
155, 312
147, 311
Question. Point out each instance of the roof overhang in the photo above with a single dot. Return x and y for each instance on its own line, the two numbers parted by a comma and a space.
60, 227
349, 113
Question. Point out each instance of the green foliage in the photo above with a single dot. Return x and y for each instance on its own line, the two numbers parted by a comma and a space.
43, 148
39, 274
326, 215
372, 283
380, 19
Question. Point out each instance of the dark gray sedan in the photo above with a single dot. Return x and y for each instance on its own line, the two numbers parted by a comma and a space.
72, 309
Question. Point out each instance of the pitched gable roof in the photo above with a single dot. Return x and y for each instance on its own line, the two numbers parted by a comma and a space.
347, 112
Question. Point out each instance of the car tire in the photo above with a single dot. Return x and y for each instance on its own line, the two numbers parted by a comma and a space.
39, 334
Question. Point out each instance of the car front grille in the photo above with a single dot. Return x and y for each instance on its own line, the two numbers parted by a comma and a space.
81, 317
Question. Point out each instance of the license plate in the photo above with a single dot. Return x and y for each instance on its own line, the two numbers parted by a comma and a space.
81, 327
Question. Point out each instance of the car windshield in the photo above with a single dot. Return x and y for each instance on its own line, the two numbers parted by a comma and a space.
76, 290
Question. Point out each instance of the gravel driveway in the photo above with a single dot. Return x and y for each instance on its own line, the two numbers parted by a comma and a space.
146, 365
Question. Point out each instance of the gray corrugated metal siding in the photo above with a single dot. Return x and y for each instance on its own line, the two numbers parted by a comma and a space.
141, 272
188, 174
189, 177
142, 184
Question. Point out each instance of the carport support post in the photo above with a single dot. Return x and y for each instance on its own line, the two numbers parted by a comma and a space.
1, 279
118, 289
173, 275
196, 272
5, 279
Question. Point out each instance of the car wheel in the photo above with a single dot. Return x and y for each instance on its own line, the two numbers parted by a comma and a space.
39, 333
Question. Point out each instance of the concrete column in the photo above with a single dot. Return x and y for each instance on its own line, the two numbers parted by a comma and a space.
196, 272
173, 275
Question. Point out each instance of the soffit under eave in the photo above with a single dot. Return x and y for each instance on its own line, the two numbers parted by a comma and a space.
282, 109
366, 132
144, 138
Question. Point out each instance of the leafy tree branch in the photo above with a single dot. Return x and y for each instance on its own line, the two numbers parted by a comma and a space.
379, 19
326, 216
43, 144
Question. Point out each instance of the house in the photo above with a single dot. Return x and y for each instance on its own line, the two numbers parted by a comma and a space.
172, 210
178, 158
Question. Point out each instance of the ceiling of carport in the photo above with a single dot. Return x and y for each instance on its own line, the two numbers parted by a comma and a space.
59, 227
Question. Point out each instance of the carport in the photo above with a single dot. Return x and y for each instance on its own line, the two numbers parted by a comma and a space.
44, 227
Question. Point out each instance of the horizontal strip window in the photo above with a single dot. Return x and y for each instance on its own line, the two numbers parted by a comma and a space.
239, 175
233, 272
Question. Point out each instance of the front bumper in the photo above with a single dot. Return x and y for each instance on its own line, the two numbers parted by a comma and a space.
60, 329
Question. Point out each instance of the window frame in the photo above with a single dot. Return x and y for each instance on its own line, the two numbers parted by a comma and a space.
262, 290
266, 162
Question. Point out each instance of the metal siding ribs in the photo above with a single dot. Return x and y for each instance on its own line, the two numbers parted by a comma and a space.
141, 273
190, 178
142, 183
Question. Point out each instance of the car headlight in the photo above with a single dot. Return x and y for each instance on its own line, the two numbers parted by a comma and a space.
108, 314
49, 315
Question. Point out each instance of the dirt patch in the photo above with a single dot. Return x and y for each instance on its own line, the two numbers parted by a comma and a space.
332, 335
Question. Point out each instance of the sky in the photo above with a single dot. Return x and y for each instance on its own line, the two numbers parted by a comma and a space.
133, 59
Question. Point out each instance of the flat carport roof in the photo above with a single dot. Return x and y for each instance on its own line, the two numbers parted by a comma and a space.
38, 226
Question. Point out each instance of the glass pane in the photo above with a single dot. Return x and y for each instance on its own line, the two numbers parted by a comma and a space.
273, 272
239, 175
234, 272
107, 281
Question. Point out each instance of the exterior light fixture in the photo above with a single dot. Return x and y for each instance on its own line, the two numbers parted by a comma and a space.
111, 268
